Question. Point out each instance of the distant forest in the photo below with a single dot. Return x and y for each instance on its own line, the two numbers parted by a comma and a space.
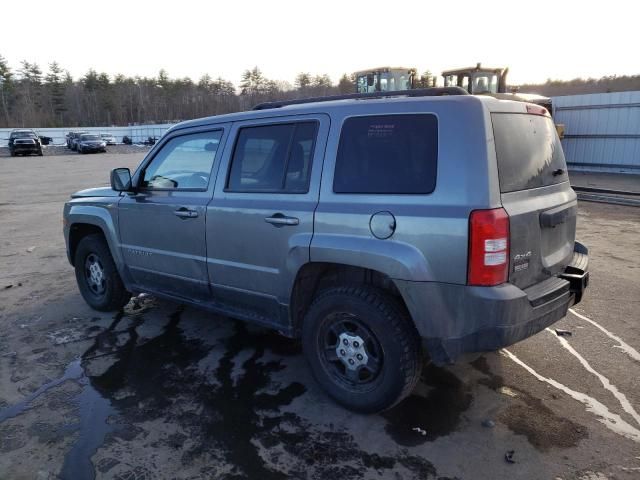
578, 86
31, 97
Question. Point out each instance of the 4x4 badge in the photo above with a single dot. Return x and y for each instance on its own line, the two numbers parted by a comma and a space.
521, 261
522, 256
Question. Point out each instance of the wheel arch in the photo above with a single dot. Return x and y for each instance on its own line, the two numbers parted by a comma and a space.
313, 277
85, 220
77, 232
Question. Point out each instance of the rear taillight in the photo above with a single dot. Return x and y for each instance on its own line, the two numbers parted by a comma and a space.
488, 247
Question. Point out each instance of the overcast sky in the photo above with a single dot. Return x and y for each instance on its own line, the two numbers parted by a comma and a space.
538, 40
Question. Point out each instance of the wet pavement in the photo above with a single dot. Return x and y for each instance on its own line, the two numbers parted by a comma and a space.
160, 390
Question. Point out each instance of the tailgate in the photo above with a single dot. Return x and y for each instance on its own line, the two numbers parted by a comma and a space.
536, 194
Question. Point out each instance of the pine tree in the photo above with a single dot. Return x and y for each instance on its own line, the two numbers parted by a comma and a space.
254, 82
346, 84
6, 87
302, 81
54, 81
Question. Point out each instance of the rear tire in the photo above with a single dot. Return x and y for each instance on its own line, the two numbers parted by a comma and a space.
362, 347
97, 276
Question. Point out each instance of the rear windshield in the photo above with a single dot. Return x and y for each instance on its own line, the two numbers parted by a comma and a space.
387, 154
528, 150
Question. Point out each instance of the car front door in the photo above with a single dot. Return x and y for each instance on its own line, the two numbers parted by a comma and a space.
162, 225
260, 220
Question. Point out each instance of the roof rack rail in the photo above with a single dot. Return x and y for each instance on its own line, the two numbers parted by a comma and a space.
419, 92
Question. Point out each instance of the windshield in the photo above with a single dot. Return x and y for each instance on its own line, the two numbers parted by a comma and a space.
23, 135
485, 82
90, 137
392, 81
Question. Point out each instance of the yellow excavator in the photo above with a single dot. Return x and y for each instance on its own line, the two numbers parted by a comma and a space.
481, 80
385, 79
476, 80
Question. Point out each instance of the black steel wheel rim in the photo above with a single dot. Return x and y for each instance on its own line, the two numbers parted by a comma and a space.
349, 350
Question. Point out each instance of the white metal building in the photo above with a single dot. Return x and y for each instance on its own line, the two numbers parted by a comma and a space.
602, 131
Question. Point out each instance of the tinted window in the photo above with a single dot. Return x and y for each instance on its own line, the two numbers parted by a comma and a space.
273, 158
22, 135
387, 154
528, 150
183, 162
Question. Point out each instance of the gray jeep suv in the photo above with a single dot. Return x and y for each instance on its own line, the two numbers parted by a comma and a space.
379, 228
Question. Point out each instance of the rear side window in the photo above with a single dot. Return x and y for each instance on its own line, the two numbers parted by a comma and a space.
387, 154
273, 158
528, 150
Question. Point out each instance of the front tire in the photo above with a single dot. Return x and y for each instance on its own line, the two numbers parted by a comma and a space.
97, 276
362, 347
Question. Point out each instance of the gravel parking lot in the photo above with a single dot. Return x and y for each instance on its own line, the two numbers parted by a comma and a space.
166, 391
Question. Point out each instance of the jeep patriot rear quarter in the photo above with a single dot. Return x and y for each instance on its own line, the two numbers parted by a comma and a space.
375, 229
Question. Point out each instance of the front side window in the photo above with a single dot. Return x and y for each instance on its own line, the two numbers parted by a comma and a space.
183, 162
273, 158
387, 154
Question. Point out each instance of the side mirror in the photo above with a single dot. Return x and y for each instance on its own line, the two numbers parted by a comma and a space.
121, 179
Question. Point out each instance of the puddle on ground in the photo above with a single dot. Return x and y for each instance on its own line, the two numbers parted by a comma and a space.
72, 372
438, 413
238, 420
529, 416
230, 415
335, 454
93, 427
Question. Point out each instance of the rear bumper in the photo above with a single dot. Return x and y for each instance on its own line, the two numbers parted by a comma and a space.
457, 319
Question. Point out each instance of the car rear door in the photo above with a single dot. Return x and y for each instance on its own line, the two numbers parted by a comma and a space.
162, 225
536, 194
260, 220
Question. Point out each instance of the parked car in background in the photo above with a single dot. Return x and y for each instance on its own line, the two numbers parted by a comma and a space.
72, 139
89, 142
376, 231
24, 142
108, 138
